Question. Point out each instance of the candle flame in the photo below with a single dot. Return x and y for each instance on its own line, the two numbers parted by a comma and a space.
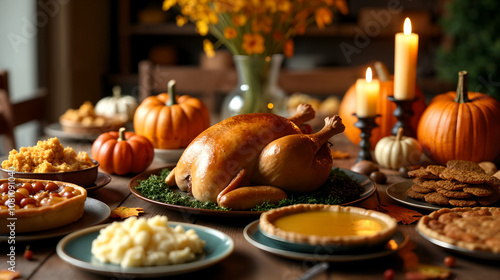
407, 26
369, 74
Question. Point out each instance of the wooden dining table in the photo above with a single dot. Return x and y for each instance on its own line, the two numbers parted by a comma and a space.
247, 261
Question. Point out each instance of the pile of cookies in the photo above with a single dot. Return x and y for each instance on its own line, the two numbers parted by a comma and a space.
459, 183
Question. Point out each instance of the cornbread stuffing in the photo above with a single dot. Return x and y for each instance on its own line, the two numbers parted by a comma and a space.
47, 157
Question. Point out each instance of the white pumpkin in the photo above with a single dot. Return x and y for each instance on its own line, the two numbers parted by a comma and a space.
117, 105
394, 152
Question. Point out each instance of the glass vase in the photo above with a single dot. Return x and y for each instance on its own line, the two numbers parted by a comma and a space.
257, 90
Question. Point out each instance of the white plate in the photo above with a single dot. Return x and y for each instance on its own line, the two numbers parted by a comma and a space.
95, 212
75, 250
322, 254
168, 155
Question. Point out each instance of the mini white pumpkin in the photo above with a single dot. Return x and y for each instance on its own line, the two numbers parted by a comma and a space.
394, 152
117, 105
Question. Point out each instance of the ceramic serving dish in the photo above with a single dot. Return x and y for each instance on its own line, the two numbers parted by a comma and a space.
84, 177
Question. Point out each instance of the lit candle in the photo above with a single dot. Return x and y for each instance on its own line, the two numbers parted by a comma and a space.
405, 63
367, 91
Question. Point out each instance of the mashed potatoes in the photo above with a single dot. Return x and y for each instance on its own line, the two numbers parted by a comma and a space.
47, 156
146, 242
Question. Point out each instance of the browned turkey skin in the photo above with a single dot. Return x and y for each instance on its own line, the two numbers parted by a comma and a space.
247, 159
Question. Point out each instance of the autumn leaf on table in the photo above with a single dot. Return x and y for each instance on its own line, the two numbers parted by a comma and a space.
125, 212
6, 274
401, 214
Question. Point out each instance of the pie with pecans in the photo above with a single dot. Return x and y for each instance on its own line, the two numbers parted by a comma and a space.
319, 224
476, 229
39, 205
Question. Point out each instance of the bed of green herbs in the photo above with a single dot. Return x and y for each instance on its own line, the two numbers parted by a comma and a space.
338, 189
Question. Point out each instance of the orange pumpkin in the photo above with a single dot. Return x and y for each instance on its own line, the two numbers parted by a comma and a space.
120, 152
385, 109
461, 125
170, 121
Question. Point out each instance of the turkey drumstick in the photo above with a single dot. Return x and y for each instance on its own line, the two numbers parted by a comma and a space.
225, 162
298, 162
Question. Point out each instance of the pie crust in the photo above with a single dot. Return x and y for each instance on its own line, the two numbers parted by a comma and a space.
269, 218
475, 229
45, 217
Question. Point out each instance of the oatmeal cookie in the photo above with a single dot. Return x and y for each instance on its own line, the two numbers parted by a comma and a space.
480, 190
435, 170
464, 165
421, 189
454, 194
415, 195
419, 181
464, 176
466, 202
422, 173
436, 198
451, 185
430, 184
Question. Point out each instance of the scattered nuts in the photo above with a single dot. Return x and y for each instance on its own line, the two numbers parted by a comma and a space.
497, 174
403, 171
489, 167
364, 167
378, 177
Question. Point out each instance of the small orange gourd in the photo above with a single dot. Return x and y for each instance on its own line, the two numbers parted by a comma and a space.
121, 152
170, 121
461, 125
385, 109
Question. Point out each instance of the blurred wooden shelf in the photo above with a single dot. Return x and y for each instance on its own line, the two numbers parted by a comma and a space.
208, 83
163, 29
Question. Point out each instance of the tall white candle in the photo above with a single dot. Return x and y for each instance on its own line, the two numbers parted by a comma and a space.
405, 63
367, 91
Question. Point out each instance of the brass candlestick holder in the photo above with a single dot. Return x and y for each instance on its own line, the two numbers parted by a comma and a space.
366, 125
403, 113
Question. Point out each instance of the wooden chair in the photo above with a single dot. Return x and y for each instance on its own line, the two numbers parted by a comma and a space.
12, 115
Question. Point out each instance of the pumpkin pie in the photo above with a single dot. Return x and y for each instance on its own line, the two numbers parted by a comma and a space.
319, 224
475, 229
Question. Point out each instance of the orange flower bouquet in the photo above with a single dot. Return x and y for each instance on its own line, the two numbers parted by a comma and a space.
254, 31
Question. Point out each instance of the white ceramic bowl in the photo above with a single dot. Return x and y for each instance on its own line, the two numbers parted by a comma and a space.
168, 155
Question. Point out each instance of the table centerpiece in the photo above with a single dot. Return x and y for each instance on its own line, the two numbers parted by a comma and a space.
258, 33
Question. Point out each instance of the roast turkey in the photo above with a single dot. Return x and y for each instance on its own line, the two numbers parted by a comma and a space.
254, 155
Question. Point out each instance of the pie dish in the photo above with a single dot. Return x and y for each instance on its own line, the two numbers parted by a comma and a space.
319, 224
40, 205
474, 229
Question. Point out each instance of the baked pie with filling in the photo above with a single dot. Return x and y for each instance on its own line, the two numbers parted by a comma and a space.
319, 224
39, 204
475, 229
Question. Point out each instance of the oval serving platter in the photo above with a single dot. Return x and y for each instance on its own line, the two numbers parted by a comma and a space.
369, 188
